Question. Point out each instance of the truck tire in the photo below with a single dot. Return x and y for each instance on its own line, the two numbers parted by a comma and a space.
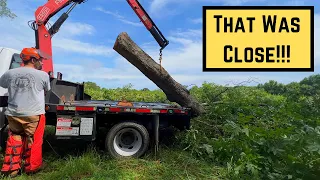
127, 139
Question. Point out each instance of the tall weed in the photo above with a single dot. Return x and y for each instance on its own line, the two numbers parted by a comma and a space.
258, 135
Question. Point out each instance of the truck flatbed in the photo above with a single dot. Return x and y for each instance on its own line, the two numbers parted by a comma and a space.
114, 103
113, 106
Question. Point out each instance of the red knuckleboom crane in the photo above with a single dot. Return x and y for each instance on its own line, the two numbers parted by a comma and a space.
43, 34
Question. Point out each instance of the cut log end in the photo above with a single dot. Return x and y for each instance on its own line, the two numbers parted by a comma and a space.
174, 91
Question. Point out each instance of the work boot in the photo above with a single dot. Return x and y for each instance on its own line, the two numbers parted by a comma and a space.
12, 174
42, 167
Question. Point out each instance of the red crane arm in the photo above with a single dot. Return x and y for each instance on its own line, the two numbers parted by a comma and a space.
43, 35
45, 12
148, 23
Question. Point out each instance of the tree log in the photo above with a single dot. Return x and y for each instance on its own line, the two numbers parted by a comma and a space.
174, 91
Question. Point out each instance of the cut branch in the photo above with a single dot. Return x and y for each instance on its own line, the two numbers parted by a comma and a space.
174, 91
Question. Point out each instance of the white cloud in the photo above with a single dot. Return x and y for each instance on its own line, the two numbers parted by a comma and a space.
157, 6
76, 29
17, 34
182, 58
124, 73
70, 45
238, 2
119, 17
189, 33
92, 70
196, 21
183, 63
289, 3
187, 57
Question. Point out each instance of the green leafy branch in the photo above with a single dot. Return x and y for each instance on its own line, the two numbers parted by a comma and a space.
5, 11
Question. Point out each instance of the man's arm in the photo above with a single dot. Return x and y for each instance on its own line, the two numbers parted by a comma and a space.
4, 80
47, 86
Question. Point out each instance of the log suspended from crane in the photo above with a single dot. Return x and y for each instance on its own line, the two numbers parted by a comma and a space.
174, 91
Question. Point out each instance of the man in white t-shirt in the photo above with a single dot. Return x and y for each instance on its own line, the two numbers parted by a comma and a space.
25, 112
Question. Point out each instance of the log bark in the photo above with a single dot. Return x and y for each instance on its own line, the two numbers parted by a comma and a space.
174, 91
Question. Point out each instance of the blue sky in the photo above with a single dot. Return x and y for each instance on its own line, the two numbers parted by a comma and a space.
82, 49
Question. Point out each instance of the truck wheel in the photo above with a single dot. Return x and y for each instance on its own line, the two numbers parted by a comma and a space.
127, 139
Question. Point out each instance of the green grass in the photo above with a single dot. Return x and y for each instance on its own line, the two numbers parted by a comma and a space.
76, 160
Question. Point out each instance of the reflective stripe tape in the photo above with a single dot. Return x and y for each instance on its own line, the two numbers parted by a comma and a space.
163, 111
122, 109
85, 108
143, 110
114, 109
60, 108
178, 111
12, 154
155, 111
69, 108
129, 110
11, 163
75, 108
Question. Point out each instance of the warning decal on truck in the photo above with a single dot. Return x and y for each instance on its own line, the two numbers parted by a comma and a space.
67, 131
86, 126
65, 122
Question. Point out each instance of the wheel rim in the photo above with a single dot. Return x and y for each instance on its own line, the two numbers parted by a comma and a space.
127, 142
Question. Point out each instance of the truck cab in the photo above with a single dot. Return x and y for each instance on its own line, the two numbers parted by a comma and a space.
9, 59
